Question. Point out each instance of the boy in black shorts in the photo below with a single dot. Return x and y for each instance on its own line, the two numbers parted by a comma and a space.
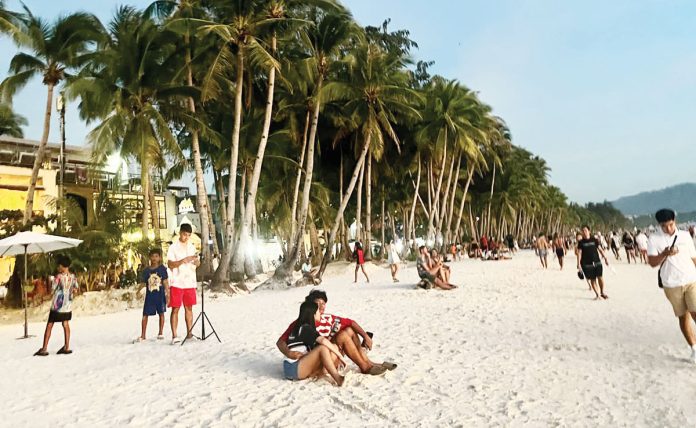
64, 290
589, 250
156, 282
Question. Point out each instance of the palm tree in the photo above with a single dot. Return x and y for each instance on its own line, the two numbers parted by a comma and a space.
375, 91
56, 48
10, 122
11, 23
324, 39
128, 88
178, 13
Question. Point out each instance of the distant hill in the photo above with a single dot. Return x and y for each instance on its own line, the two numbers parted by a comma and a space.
681, 198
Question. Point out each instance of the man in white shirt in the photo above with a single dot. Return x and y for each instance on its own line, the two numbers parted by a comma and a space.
642, 244
182, 261
674, 251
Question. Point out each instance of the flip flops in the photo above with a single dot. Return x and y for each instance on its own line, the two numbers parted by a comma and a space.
377, 370
388, 365
40, 353
62, 351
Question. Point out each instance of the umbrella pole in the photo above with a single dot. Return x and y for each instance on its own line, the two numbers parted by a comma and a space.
24, 289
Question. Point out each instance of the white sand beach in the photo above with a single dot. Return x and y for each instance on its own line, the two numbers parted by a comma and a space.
514, 346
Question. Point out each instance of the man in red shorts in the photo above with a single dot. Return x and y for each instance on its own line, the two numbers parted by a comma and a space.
182, 261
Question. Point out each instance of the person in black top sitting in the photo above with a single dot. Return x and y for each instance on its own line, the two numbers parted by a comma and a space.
589, 250
319, 354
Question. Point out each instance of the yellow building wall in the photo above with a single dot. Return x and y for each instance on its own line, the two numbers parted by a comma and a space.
16, 199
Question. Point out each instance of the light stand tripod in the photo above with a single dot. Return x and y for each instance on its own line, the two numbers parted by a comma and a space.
202, 317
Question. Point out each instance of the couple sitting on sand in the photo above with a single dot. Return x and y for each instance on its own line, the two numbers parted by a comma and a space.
316, 342
432, 270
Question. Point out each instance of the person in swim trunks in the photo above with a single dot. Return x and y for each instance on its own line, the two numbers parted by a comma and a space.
589, 250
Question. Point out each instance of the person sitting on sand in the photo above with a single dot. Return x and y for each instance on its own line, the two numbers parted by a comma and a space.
430, 274
359, 257
435, 262
64, 289
342, 331
313, 355
309, 273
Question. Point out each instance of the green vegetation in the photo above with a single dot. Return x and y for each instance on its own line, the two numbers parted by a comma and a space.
306, 120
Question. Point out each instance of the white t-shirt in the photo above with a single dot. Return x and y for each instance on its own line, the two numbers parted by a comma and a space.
678, 270
642, 241
183, 276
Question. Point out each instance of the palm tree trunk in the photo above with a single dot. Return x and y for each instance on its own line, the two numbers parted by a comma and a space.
474, 236
145, 187
221, 279
222, 205
358, 212
448, 234
284, 271
416, 187
436, 193
241, 255
490, 200
463, 201
382, 249
298, 179
368, 206
445, 197
342, 207
38, 160
154, 209
201, 191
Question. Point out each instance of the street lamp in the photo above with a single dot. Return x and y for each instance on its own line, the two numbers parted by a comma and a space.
60, 107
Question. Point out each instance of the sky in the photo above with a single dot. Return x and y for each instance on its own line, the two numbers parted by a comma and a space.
604, 91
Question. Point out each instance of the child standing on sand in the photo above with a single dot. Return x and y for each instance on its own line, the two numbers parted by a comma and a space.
156, 282
359, 256
64, 289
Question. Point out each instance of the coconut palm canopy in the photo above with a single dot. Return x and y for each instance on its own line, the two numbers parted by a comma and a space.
303, 119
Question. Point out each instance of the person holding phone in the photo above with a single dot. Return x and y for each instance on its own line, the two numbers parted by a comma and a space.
182, 261
674, 252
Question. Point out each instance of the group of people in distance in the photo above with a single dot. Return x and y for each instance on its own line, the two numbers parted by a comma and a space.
636, 247
314, 345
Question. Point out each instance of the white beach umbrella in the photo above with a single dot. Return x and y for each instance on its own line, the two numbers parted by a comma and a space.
32, 243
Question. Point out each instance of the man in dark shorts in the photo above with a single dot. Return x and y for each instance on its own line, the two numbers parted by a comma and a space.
589, 250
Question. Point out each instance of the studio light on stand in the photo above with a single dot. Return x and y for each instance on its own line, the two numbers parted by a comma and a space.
202, 316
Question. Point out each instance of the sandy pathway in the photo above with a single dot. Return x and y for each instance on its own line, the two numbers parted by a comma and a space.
514, 346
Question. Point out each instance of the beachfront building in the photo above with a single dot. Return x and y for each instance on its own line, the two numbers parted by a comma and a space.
82, 183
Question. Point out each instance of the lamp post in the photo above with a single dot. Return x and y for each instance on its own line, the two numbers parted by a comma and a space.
60, 107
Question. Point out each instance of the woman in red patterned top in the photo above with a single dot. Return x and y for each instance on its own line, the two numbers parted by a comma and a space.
359, 257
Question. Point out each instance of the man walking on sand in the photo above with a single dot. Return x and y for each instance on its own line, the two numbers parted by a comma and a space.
642, 244
589, 249
542, 245
674, 252
182, 261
